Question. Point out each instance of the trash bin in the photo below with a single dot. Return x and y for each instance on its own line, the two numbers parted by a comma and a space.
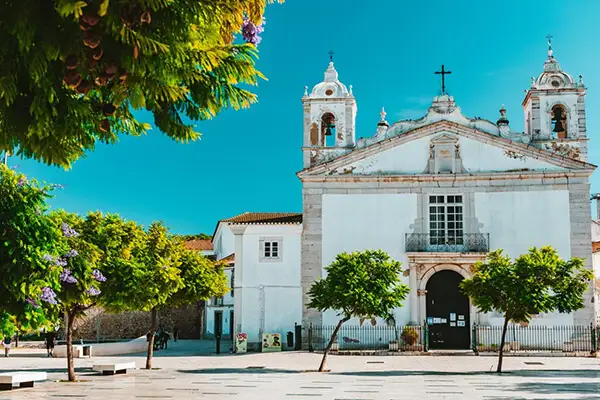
290, 340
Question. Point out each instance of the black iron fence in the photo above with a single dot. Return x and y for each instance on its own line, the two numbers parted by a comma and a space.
484, 338
369, 337
466, 242
569, 338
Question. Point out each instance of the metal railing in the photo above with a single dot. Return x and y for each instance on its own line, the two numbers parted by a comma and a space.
368, 338
465, 243
569, 338
484, 338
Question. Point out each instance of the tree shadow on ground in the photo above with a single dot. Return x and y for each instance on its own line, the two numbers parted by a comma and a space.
557, 388
573, 373
48, 370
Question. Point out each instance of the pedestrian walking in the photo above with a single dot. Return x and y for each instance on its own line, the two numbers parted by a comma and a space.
7, 345
50, 342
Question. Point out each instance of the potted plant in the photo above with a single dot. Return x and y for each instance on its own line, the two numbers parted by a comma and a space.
410, 335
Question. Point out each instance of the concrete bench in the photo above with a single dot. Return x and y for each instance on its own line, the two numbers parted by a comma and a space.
20, 379
112, 369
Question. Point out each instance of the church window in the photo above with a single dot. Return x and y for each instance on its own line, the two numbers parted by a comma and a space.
559, 122
270, 249
528, 124
446, 220
328, 129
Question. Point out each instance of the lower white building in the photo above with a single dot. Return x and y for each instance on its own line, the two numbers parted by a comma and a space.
266, 292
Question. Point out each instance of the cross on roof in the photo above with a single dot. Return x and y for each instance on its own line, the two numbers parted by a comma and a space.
331, 53
549, 37
443, 72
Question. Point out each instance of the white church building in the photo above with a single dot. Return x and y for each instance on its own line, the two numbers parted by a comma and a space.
436, 193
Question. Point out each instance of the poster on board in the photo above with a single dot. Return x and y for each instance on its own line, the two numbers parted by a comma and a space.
452, 316
271, 342
241, 342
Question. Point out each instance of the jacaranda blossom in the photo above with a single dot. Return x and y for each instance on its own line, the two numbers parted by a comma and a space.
67, 277
34, 303
251, 32
93, 291
48, 296
68, 231
98, 276
72, 253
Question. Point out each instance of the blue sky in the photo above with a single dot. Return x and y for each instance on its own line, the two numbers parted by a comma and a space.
387, 49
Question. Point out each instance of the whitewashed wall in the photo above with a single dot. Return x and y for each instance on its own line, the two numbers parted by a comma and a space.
367, 221
268, 295
224, 241
517, 221
412, 158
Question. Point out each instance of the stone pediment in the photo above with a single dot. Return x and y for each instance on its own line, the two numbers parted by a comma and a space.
445, 147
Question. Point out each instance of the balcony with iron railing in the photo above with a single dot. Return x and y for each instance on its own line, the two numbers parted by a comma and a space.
465, 243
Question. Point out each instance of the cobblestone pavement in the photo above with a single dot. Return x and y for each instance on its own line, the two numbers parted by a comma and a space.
184, 375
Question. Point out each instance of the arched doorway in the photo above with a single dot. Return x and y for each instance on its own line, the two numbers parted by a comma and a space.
447, 312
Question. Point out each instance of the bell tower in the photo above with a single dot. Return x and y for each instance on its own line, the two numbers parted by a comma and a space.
554, 109
329, 120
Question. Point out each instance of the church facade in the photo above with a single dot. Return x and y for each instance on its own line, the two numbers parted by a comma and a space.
437, 194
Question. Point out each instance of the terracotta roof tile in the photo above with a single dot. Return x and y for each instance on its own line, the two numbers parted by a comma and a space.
229, 260
199, 244
265, 218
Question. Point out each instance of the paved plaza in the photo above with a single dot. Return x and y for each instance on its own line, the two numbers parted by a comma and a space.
183, 374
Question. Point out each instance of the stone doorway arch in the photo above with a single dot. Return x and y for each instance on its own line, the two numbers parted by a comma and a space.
422, 267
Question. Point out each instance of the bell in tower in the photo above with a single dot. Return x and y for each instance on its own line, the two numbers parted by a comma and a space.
559, 119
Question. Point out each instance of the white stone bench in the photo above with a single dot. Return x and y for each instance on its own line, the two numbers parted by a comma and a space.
20, 379
112, 369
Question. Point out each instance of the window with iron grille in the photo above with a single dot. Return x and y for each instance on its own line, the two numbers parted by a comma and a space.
446, 220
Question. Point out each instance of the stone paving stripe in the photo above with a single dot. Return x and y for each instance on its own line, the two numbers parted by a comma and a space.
242, 386
325, 381
440, 393
152, 397
361, 391
316, 387
533, 363
304, 394
219, 393
205, 383
184, 389
375, 362
256, 367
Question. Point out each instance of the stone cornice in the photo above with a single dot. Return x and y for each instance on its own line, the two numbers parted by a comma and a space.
451, 127
491, 176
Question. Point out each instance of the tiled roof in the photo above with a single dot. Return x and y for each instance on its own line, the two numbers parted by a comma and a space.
229, 260
595, 246
199, 244
265, 218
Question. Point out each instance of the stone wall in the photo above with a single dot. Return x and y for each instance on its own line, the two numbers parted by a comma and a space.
129, 325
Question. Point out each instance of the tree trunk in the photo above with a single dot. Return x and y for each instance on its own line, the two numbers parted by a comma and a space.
151, 340
70, 367
333, 336
502, 341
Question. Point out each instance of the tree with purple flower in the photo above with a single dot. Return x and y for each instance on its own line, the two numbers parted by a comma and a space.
79, 289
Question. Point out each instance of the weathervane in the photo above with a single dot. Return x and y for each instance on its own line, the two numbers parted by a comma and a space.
443, 72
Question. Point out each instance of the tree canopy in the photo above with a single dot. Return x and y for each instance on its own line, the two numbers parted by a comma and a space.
73, 72
27, 237
364, 285
539, 281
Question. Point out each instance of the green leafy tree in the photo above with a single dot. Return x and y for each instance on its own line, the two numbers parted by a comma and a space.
536, 282
202, 279
73, 72
159, 278
27, 235
364, 285
199, 236
80, 279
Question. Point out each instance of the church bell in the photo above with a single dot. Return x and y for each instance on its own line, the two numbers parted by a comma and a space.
558, 118
330, 126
